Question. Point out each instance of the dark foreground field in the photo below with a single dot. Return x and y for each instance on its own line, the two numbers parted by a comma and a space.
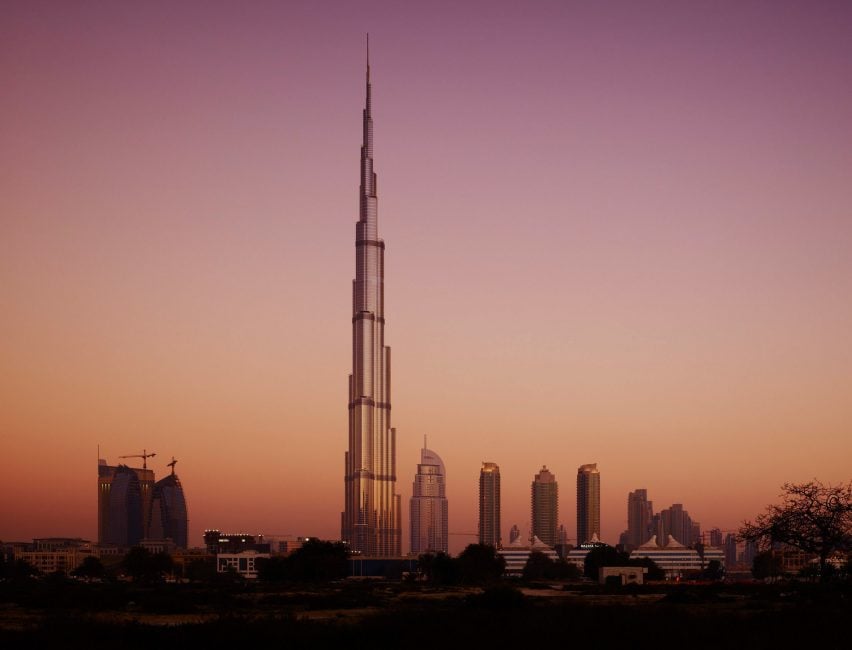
62, 614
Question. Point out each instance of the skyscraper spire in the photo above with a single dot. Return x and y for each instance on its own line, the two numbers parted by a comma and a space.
371, 519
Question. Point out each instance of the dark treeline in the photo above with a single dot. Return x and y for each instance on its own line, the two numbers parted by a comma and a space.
315, 561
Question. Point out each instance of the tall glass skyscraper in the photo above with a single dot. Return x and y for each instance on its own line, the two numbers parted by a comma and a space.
124, 501
371, 519
132, 507
489, 505
429, 505
168, 511
640, 513
588, 503
126, 513
545, 507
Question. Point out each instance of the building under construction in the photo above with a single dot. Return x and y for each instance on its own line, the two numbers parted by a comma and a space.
133, 507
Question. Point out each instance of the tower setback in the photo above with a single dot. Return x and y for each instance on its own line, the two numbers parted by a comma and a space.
371, 519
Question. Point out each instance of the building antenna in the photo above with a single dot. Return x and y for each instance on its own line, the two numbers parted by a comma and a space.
425, 446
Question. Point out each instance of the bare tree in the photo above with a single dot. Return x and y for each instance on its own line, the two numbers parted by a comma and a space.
813, 517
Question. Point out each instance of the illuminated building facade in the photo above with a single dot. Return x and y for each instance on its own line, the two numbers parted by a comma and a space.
489, 505
371, 519
429, 505
588, 503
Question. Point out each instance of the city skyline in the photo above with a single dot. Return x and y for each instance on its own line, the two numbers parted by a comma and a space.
617, 232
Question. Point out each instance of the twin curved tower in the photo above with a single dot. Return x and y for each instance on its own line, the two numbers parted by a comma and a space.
371, 520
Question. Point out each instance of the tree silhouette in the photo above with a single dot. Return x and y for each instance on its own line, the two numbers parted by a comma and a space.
141, 564
603, 556
812, 517
766, 565
480, 563
438, 568
541, 567
91, 567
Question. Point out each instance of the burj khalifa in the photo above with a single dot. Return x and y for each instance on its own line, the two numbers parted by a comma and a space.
371, 520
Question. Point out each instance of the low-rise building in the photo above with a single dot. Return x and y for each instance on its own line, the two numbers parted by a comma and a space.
244, 562
577, 556
517, 553
627, 575
675, 559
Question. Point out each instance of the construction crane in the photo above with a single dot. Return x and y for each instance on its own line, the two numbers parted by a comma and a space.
144, 456
172, 465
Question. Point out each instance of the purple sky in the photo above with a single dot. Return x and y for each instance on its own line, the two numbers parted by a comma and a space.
617, 232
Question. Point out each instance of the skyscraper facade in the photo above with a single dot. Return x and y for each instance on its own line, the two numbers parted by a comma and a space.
168, 518
640, 513
132, 507
371, 518
489, 505
429, 530
545, 507
675, 521
124, 501
716, 537
588, 503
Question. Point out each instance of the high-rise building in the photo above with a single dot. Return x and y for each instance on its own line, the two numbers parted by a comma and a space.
730, 551
545, 507
716, 537
132, 507
588, 503
514, 534
124, 501
371, 518
168, 518
429, 505
489, 505
749, 553
562, 546
126, 515
675, 521
640, 513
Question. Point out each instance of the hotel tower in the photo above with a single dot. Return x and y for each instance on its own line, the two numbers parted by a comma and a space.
429, 505
545, 507
588, 503
489, 505
371, 519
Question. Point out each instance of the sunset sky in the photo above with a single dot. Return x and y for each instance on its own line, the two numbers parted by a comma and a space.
617, 232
